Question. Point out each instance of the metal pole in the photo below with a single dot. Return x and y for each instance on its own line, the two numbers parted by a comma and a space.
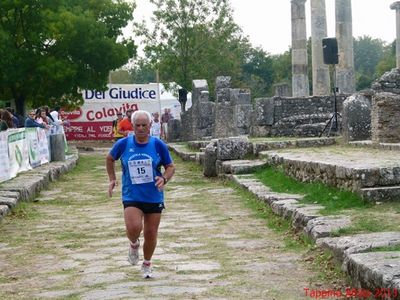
158, 91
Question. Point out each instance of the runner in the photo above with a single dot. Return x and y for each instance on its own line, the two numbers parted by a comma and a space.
141, 156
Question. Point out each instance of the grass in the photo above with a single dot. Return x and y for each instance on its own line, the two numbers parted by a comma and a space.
26, 211
333, 199
364, 225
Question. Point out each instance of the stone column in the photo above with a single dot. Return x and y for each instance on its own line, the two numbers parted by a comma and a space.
320, 71
299, 49
396, 6
345, 75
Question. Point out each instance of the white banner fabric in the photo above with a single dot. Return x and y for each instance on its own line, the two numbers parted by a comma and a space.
5, 173
18, 151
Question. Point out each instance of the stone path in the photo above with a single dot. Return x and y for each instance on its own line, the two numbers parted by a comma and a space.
71, 245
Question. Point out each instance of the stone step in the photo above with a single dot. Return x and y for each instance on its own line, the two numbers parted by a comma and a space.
239, 166
292, 143
382, 193
375, 179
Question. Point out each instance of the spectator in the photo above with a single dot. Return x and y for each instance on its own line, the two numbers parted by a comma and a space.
125, 126
44, 117
50, 119
155, 129
57, 121
164, 123
38, 116
14, 117
31, 122
114, 129
55, 114
6, 120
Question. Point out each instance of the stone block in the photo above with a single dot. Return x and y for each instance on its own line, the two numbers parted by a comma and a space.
384, 118
264, 111
356, 122
224, 123
240, 97
210, 159
10, 202
233, 148
376, 271
346, 245
57, 146
204, 97
304, 214
284, 207
222, 95
4, 210
242, 166
222, 82
198, 86
323, 226
174, 130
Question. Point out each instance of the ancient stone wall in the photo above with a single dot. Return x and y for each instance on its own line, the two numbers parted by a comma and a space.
385, 111
233, 109
385, 118
300, 116
197, 121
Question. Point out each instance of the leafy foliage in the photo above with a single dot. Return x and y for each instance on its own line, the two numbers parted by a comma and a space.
367, 54
193, 40
51, 49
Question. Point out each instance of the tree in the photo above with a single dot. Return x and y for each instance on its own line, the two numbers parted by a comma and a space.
257, 72
282, 66
367, 54
120, 76
388, 60
193, 40
50, 49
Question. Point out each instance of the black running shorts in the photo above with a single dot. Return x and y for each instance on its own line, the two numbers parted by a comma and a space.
146, 207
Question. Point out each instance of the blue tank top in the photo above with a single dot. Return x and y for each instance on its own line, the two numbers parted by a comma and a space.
141, 163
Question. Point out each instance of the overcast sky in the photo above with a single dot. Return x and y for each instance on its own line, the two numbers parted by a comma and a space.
267, 22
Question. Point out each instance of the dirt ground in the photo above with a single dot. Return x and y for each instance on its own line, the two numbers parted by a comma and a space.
71, 244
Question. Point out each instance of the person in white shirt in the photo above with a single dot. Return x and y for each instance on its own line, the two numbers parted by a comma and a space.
155, 129
57, 120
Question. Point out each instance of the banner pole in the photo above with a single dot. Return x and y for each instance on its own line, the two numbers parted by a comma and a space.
158, 92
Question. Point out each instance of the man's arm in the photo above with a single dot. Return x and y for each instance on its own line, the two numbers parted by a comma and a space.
161, 181
110, 167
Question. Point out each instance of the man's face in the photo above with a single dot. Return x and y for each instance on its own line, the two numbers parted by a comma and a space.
142, 126
119, 116
129, 114
156, 116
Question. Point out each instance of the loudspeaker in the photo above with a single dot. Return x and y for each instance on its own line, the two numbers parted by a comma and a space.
330, 50
182, 95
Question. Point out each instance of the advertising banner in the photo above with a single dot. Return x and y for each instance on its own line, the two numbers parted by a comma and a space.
18, 151
43, 146
93, 120
33, 147
4, 160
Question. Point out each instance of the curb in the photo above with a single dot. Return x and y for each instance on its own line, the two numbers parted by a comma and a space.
27, 185
378, 272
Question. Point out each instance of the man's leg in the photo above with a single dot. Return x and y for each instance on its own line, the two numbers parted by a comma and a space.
150, 231
133, 223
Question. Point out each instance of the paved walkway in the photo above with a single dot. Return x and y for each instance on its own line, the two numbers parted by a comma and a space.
71, 244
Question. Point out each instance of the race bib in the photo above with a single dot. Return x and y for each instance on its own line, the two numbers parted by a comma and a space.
140, 171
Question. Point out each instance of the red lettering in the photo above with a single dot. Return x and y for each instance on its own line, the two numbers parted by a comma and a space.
89, 115
98, 115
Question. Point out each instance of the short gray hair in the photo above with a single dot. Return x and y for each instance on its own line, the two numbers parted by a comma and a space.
140, 113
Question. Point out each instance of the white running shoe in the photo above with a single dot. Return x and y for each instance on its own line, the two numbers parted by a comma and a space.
147, 270
133, 253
